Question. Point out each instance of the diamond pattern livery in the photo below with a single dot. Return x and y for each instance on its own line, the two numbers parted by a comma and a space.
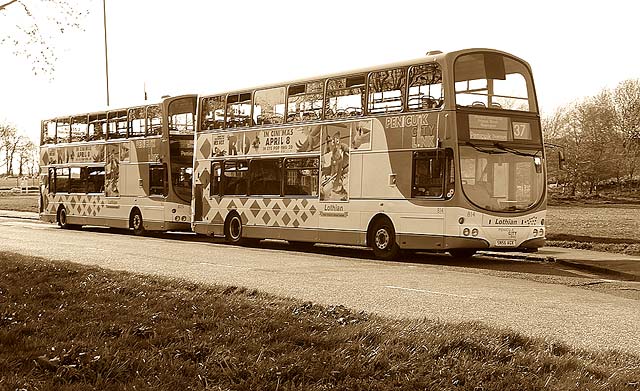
270, 212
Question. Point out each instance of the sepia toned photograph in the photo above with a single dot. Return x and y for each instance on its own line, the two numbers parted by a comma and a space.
340, 196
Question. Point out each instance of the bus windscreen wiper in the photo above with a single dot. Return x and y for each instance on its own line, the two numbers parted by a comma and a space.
483, 150
515, 151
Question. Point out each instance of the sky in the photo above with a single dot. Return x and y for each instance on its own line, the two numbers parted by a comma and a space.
575, 48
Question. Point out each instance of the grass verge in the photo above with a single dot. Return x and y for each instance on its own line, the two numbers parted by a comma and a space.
69, 327
19, 202
617, 248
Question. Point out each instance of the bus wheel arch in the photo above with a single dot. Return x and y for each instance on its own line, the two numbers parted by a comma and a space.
136, 221
381, 237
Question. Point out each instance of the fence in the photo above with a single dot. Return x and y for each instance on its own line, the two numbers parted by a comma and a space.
19, 184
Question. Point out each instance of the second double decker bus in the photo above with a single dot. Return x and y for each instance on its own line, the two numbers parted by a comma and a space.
123, 168
443, 153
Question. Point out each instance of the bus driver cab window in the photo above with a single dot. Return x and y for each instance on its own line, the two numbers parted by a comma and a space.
433, 174
157, 180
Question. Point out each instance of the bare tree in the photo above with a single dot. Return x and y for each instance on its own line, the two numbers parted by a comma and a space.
586, 131
38, 23
9, 141
27, 153
626, 101
554, 128
593, 121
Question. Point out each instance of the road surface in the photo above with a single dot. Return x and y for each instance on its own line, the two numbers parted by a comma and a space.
541, 302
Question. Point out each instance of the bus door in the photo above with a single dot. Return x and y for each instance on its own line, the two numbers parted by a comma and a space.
432, 186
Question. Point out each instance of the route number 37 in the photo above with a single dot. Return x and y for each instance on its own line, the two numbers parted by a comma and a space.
521, 131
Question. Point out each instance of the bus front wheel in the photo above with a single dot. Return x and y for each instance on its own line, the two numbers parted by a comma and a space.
383, 240
137, 223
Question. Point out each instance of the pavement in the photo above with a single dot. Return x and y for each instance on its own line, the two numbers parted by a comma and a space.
621, 266
626, 267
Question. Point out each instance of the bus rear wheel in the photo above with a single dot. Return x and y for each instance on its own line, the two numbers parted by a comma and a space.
383, 240
62, 219
233, 230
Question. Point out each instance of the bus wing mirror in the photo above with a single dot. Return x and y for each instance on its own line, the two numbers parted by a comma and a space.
561, 159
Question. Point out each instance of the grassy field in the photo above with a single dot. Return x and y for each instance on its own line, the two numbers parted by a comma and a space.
71, 327
19, 202
604, 227
605, 222
11, 182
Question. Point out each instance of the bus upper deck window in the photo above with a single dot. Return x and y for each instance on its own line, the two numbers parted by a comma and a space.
97, 126
63, 130
386, 91
493, 81
345, 97
304, 102
212, 113
117, 124
154, 120
137, 127
48, 132
181, 116
268, 106
79, 128
425, 87
238, 113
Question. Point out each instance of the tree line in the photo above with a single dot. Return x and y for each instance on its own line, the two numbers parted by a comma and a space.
599, 138
18, 154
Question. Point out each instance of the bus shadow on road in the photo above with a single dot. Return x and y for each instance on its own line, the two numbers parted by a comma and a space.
478, 262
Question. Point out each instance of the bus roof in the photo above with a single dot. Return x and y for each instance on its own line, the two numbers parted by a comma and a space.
110, 110
431, 56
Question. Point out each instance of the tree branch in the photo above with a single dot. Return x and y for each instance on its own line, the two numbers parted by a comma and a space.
5, 5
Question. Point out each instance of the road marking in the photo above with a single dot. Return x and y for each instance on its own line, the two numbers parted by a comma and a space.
426, 291
221, 265
27, 225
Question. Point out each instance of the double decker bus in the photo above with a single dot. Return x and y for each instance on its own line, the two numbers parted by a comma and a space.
443, 153
127, 168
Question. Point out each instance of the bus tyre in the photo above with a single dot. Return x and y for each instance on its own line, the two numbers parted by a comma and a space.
137, 223
233, 229
62, 219
383, 240
462, 252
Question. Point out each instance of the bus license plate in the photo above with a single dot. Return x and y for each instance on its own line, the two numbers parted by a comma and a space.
506, 242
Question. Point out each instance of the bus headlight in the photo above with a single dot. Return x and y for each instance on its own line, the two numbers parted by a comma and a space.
466, 231
474, 232
541, 232
535, 232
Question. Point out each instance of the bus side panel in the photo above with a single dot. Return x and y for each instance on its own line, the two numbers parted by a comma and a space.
380, 181
130, 176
